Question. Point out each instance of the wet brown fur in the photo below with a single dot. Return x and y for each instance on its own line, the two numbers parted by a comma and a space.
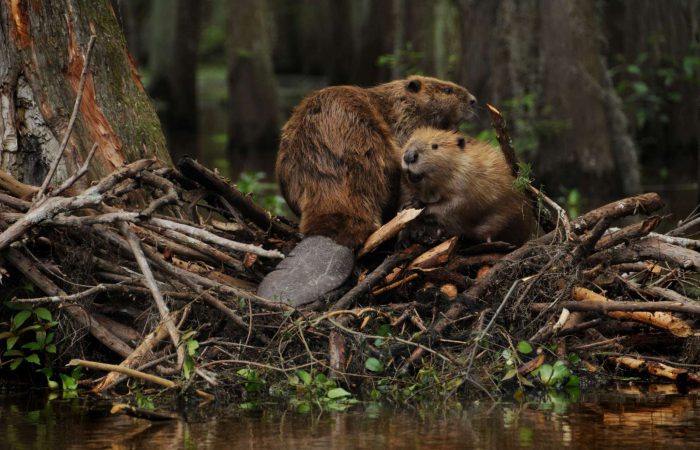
466, 185
339, 157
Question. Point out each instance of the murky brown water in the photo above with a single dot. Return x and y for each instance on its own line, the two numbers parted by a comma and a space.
622, 419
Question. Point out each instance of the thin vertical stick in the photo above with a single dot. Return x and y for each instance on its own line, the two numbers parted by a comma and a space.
165, 316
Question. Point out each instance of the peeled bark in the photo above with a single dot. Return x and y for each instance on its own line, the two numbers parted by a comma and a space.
42, 47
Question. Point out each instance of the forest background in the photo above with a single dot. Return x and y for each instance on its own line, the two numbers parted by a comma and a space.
602, 97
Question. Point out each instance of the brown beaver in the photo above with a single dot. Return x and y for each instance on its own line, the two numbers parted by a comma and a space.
339, 165
466, 185
339, 168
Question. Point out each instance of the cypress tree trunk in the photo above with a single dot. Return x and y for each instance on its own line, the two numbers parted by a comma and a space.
42, 46
544, 63
253, 123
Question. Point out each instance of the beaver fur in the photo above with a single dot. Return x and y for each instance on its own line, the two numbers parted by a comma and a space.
339, 157
466, 186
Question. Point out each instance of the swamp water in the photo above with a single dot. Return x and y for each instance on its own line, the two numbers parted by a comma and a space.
659, 418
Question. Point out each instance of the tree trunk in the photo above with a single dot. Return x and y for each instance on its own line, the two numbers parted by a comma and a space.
545, 66
173, 62
253, 123
42, 47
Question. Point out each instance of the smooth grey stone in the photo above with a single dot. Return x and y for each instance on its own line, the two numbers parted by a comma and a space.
316, 266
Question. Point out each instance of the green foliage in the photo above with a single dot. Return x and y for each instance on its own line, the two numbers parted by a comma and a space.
191, 346
406, 60
374, 365
524, 177
308, 390
143, 401
263, 192
524, 347
573, 203
649, 88
30, 338
557, 376
253, 384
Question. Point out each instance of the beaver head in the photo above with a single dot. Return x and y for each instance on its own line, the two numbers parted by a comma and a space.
419, 101
432, 160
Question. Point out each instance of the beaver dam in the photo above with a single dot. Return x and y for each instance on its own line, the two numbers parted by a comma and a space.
146, 280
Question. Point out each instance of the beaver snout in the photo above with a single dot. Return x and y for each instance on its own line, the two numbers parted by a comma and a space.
411, 155
472, 100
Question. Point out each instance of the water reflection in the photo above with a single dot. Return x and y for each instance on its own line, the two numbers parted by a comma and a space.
627, 418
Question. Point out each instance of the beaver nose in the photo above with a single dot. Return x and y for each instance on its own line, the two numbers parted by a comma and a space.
411, 156
472, 100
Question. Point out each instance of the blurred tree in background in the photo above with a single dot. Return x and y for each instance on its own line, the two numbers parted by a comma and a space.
602, 97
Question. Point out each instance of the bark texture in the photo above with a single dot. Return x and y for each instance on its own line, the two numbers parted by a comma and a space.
547, 64
42, 46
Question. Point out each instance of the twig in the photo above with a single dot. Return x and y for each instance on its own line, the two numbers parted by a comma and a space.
125, 370
490, 324
135, 245
73, 297
373, 278
52, 206
71, 122
77, 175
612, 306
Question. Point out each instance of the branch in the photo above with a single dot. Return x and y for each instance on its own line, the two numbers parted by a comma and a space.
76, 176
165, 316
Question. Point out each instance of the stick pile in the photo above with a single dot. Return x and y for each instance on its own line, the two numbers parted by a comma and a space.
150, 259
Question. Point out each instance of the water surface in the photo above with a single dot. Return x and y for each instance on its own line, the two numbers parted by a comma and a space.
622, 419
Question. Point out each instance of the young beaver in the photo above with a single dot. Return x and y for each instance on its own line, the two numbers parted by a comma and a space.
339, 168
466, 186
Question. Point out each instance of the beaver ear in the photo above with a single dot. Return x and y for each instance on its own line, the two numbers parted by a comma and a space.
413, 86
461, 142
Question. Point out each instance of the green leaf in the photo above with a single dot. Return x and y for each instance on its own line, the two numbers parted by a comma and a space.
635, 70
34, 359
374, 365
11, 342
384, 330
574, 381
524, 347
44, 314
247, 406
15, 363
69, 383
304, 376
304, 408
574, 358
640, 88
13, 353
510, 374
20, 318
338, 393
321, 379
192, 346
51, 348
34, 346
545, 373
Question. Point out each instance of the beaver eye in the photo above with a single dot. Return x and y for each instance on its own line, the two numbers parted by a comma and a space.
434, 146
461, 143
448, 90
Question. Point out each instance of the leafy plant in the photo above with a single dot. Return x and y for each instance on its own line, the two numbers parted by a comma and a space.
309, 390
191, 346
263, 192
30, 351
